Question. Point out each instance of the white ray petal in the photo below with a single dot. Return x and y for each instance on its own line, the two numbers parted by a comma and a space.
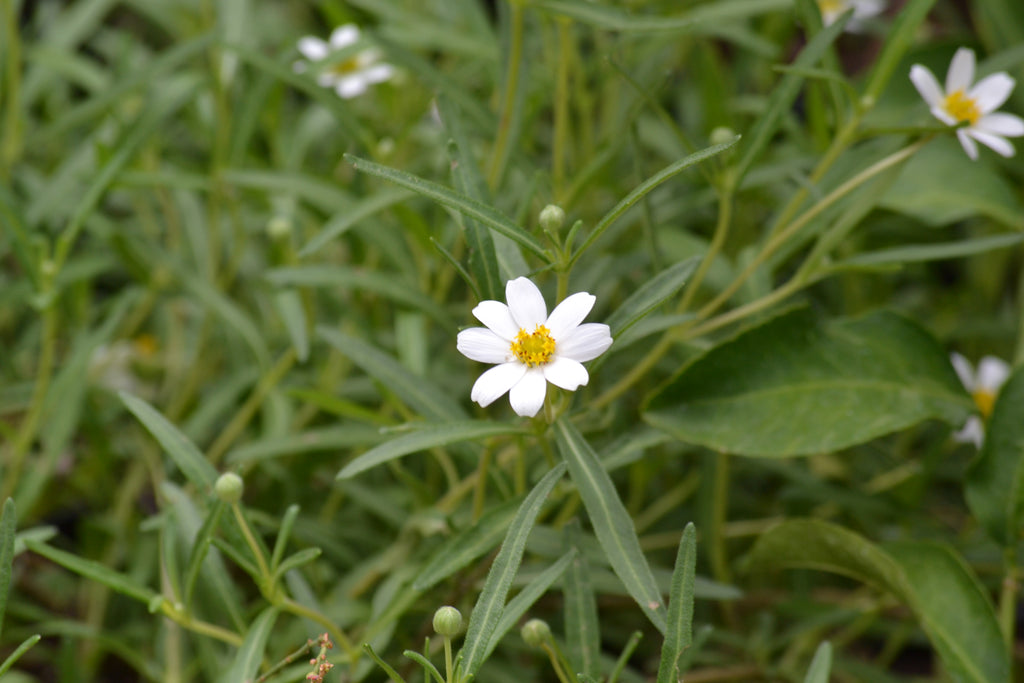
526, 303
992, 373
992, 91
313, 49
961, 71
569, 314
527, 395
496, 316
996, 143
927, 85
967, 143
566, 373
480, 344
495, 382
964, 370
588, 341
998, 123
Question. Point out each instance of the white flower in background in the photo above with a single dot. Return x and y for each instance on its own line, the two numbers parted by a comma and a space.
351, 76
862, 9
964, 101
984, 387
531, 348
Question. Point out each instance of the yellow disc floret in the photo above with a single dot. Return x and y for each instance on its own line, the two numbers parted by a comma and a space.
961, 107
533, 349
835, 6
985, 400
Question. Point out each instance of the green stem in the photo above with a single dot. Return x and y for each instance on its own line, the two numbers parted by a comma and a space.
725, 197
449, 669
11, 139
1008, 596
250, 540
481, 484
339, 637
561, 108
185, 620
508, 101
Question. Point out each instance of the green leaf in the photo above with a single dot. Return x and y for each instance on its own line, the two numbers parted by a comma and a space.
90, 569
304, 556
641, 190
651, 294
201, 547
16, 655
446, 197
250, 654
284, 531
424, 437
340, 223
821, 665
582, 628
801, 385
916, 253
419, 395
489, 606
902, 36
524, 600
783, 95
289, 307
328, 439
995, 480
468, 545
611, 521
927, 577
182, 452
8, 523
697, 20
679, 636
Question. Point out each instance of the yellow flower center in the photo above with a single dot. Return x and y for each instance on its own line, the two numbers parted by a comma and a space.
834, 6
534, 348
984, 400
961, 107
345, 66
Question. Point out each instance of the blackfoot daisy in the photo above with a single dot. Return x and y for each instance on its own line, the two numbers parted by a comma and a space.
349, 77
984, 386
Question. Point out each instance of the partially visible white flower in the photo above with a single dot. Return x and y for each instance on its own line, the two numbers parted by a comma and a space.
862, 9
349, 77
531, 348
984, 387
962, 100
113, 366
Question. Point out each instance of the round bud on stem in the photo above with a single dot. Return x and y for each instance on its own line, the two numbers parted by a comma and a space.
536, 632
552, 218
447, 621
722, 135
229, 488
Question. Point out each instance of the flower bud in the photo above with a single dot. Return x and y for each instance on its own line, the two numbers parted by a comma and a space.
447, 621
536, 632
278, 228
229, 488
721, 135
552, 218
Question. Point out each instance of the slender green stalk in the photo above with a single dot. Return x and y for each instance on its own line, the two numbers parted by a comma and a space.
250, 540
481, 484
185, 620
301, 610
725, 198
1008, 596
11, 140
499, 155
449, 667
561, 107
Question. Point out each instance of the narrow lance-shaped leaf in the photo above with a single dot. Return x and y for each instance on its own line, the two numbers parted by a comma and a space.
8, 522
18, 652
90, 569
650, 295
611, 521
247, 660
491, 603
901, 37
680, 608
582, 628
821, 665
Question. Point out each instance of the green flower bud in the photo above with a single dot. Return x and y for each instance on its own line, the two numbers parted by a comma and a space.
447, 621
722, 135
552, 218
278, 228
229, 488
536, 632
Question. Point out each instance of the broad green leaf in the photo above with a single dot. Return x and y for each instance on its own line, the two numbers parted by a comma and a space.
289, 307
90, 569
821, 665
8, 523
781, 99
360, 281
18, 652
611, 521
928, 578
679, 635
468, 545
248, 658
419, 395
524, 600
446, 197
641, 190
468, 180
489, 606
182, 452
427, 436
582, 628
650, 295
799, 385
995, 480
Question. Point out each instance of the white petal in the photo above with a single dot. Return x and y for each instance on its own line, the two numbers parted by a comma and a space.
526, 303
992, 91
943, 115
926, 84
496, 316
312, 48
1001, 124
972, 432
863, 9
588, 341
495, 382
961, 71
350, 86
997, 143
378, 73
568, 314
480, 344
962, 134
343, 36
566, 373
527, 396
992, 373
964, 370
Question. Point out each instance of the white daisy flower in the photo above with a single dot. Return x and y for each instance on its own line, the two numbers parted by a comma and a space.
984, 387
349, 77
531, 348
862, 9
975, 104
